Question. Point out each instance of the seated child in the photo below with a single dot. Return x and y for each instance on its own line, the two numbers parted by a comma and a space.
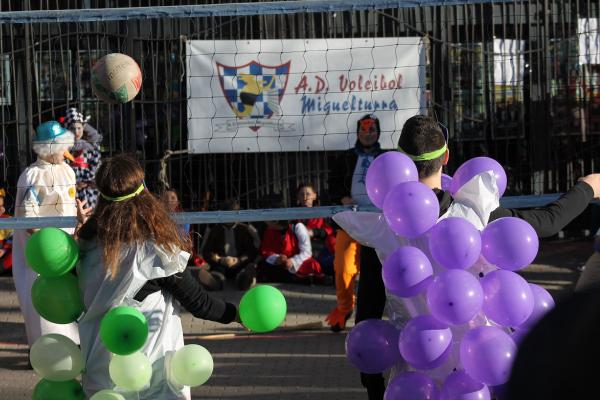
322, 235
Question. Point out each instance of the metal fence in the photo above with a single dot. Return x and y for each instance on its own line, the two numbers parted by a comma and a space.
542, 123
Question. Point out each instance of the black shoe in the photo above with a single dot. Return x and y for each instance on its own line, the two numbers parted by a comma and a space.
208, 280
336, 328
220, 278
246, 277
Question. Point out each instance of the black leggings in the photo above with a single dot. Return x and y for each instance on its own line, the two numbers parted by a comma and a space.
370, 302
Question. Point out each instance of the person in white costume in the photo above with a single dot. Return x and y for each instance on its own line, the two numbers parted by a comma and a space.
133, 254
45, 189
424, 140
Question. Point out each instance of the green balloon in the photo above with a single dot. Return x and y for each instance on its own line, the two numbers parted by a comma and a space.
132, 372
57, 299
124, 330
191, 365
51, 252
107, 394
56, 358
66, 390
262, 308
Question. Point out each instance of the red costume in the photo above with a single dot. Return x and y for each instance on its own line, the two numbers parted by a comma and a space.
276, 242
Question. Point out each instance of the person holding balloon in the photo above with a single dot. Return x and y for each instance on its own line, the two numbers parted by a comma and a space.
347, 187
133, 254
424, 141
45, 189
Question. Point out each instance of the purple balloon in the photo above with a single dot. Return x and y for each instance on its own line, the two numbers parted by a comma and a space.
407, 272
476, 166
519, 335
446, 182
411, 209
385, 172
542, 303
411, 386
460, 386
372, 346
455, 243
510, 243
454, 297
508, 298
425, 342
487, 354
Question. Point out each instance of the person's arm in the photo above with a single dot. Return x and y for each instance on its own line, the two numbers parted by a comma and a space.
209, 252
93, 162
267, 246
550, 219
304, 247
338, 177
192, 296
247, 251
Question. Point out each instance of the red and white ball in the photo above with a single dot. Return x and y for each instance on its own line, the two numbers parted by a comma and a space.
116, 78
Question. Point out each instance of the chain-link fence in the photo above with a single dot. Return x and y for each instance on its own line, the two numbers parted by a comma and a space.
537, 114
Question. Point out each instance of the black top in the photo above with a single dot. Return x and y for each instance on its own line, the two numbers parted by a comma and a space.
547, 220
340, 178
192, 296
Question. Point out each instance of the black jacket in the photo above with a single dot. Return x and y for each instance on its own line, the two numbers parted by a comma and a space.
192, 296
340, 177
245, 245
547, 220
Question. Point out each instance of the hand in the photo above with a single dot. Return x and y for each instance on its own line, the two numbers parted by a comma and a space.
83, 212
239, 321
310, 233
230, 261
281, 260
347, 201
289, 263
215, 257
2, 253
81, 185
594, 181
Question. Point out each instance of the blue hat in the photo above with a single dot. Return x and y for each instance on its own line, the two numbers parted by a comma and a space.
48, 131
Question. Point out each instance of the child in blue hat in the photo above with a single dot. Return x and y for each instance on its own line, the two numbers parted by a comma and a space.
45, 189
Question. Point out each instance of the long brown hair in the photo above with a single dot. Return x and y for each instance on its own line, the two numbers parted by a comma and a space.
132, 221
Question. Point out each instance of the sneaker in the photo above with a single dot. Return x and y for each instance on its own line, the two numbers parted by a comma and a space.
246, 278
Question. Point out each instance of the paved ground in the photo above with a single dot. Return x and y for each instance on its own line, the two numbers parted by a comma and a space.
286, 365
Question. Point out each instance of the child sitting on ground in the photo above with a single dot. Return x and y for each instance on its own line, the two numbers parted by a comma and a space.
322, 235
5, 238
287, 254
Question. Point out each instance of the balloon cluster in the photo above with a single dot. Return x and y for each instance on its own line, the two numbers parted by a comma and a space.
459, 339
53, 253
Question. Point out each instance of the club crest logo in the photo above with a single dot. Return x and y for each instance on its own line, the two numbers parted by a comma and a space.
254, 91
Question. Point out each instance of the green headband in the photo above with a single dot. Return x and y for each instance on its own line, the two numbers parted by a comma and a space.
432, 155
127, 196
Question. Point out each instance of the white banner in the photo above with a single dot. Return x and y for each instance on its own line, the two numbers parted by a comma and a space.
299, 95
587, 29
509, 62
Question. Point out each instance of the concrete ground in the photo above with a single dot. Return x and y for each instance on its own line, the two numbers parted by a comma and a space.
285, 364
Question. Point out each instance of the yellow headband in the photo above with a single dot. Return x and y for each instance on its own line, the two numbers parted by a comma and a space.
127, 196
